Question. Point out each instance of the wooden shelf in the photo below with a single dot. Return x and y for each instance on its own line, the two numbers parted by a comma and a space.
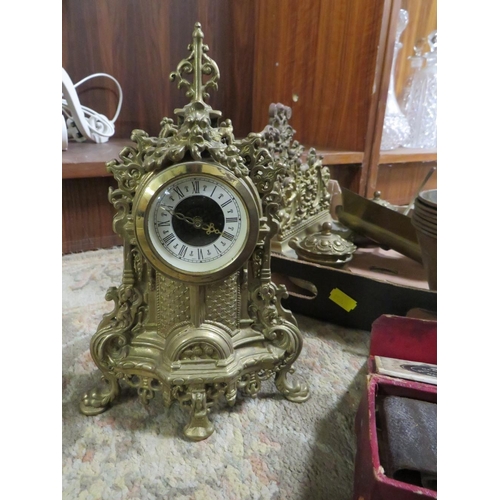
407, 155
83, 160
334, 157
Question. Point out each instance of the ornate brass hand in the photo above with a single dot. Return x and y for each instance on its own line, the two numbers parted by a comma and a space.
210, 228
197, 221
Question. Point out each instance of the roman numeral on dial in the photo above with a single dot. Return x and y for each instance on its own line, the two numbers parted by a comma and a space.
182, 251
179, 192
228, 236
168, 239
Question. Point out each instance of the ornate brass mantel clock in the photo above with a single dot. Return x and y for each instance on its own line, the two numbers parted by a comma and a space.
197, 316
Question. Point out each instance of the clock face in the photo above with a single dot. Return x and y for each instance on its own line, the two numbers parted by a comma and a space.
197, 222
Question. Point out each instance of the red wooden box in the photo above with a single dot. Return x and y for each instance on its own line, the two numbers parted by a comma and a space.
401, 338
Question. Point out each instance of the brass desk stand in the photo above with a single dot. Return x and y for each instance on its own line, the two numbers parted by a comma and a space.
305, 203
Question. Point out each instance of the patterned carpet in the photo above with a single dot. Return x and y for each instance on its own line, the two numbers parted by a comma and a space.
263, 448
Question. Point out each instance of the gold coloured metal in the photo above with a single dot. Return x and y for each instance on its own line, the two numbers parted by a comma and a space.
379, 223
196, 338
306, 200
153, 185
324, 247
377, 198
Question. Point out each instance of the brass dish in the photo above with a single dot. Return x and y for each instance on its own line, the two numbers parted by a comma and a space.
386, 227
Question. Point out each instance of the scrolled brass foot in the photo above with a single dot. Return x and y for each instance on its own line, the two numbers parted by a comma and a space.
199, 426
98, 400
295, 391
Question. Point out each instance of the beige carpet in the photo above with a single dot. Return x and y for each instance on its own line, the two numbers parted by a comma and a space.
263, 448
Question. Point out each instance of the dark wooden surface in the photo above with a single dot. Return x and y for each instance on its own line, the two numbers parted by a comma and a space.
398, 182
141, 42
84, 160
348, 176
372, 156
324, 53
407, 155
87, 215
380, 88
333, 157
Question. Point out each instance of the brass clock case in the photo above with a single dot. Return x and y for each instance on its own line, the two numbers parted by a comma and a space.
192, 326
155, 184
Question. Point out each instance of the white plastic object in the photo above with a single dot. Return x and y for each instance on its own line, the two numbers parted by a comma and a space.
64, 134
82, 122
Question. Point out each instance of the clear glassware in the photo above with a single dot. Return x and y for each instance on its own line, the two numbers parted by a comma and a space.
395, 129
421, 105
417, 61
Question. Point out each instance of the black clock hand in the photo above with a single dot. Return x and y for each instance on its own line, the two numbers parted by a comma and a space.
179, 215
197, 222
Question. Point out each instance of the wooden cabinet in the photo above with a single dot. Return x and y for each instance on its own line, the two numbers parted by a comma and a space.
327, 59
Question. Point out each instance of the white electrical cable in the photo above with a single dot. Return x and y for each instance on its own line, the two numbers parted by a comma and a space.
120, 99
83, 122
64, 135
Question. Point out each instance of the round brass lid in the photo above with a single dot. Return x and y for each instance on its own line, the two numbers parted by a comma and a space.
325, 247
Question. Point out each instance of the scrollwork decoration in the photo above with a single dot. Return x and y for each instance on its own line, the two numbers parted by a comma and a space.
198, 64
304, 183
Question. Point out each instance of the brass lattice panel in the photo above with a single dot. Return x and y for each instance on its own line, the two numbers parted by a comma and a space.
219, 309
172, 303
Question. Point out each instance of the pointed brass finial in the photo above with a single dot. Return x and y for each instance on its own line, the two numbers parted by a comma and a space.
198, 64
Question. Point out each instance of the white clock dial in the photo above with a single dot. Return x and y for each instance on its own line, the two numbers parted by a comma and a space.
197, 223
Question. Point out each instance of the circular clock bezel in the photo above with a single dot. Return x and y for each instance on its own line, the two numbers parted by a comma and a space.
155, 184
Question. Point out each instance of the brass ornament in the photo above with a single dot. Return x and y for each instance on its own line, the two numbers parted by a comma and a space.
306, 200
325, 247
196, 336
377, 198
